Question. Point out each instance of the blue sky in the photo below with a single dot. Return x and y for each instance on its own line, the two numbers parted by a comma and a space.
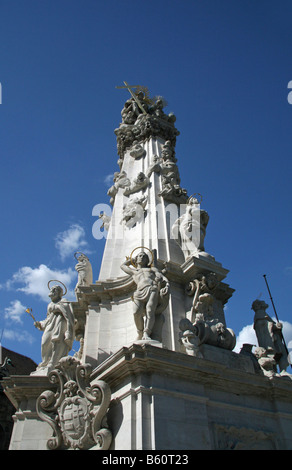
223, 67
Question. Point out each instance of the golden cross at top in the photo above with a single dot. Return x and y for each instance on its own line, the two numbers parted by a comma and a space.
135, 97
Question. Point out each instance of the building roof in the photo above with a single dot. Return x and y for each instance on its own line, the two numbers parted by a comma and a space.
22, 365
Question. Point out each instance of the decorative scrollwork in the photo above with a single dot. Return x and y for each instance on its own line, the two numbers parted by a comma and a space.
77, 410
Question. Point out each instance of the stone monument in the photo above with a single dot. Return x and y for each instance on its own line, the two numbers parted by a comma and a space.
156, 368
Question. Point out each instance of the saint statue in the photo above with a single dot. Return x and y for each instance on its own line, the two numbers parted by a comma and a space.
269, 334
189, 230
151, 295
58, 331
84, 269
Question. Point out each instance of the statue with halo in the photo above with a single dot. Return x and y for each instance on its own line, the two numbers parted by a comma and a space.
58, 330
151, 295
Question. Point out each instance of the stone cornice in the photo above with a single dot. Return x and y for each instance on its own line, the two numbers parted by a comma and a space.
106, 290
146, 359
20, 387
109, 290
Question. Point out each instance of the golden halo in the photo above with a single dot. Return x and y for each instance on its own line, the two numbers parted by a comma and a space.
144, 248
194, 195
55, 280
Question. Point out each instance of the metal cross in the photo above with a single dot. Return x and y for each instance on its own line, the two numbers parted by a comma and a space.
135, 97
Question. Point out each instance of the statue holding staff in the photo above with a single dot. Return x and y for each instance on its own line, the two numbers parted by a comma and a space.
58, 330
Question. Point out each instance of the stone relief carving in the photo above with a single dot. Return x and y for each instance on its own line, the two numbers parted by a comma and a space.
204, 327
155, 166
203, 291
137, 151
130, 187
157, 110
189, 230
77, 410
139, 183
134, 211
173, 192
131, 111
138, 125
272, 350
170, 180
120, 181
84, 269
150, 298
58, 331
106, 219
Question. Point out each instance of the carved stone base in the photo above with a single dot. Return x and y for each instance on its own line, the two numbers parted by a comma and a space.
166, 400
66, 410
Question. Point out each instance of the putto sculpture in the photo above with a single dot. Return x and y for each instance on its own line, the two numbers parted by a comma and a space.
134, 211
58, 330
151, 296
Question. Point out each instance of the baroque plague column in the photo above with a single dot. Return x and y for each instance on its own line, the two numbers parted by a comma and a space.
156, 368
152, 214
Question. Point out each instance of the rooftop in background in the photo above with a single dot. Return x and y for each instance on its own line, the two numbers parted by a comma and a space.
22, 365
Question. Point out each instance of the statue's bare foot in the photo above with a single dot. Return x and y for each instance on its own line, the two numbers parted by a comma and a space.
146, 337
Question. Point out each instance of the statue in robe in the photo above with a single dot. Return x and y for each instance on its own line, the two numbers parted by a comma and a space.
84, 269
58, 331
269, 334
189, 230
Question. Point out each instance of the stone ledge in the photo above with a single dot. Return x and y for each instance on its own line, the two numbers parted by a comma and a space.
225, 375
20, 387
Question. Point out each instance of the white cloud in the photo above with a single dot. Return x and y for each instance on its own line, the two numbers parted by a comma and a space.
70, 241
15, 311
108, 180
34, 281
287, 333
246, 335
19, 336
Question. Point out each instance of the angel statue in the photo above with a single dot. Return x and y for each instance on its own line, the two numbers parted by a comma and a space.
151, 295
58, 330
84, 269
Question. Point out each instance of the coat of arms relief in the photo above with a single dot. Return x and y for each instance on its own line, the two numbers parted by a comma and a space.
77, 410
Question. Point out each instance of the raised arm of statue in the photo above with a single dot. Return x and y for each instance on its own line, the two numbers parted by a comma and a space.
126, 268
